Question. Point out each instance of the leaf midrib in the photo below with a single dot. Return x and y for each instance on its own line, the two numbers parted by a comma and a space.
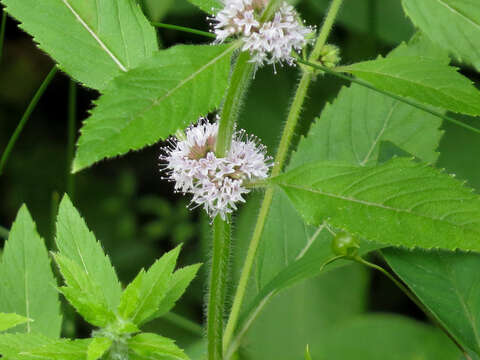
157, 101
461, 14
373, 204
95, 36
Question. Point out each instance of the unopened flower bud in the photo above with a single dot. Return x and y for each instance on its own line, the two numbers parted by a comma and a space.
330, 56
345, 244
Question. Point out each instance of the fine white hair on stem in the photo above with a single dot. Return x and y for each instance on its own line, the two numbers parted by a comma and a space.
217, 184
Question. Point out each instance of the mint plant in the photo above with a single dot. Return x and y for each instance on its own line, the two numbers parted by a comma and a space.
358, 190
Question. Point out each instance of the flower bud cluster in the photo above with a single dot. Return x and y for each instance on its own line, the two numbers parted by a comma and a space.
217, 184
269, 42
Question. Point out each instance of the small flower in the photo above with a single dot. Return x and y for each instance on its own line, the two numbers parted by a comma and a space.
269, 42
217, 184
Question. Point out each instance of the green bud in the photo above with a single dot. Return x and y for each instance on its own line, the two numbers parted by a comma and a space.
330, 56
345, 244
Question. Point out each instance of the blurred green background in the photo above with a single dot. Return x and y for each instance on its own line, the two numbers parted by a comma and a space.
136, 215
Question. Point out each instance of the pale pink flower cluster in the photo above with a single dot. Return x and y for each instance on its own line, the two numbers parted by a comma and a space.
269, 42
217, 184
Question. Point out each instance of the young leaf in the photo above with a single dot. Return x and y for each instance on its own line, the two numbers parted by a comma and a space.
165, 93
63, 349
75, 242
452, 24
131, 296
152, 346
410, 204
447, 284
143, 297
11, 345
209, 6
26, 277
385, 336
92, 41
422, 79
98, 347
178, 284
84, 293
8, 321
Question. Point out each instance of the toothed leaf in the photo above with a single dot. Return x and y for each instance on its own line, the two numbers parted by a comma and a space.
75, 242
11, 345
165, 93
149, 290
152, 347
93, 41
84, 293
63, 349
422, 79
178, 284
452, 24
98, 347
401, 202
8, 321
209, 6
447, 284
26, 276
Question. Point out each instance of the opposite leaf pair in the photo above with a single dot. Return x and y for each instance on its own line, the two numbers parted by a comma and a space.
92, 287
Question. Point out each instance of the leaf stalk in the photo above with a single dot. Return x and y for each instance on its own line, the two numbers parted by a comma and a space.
413, 103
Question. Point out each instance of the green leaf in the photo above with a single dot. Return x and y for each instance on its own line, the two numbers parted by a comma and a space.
63, 349
84, 293
452, 24
26, 277
209, 6
98, 347
91, 41
142, 298
306, 313
422, 79
177, 285
8, 321
384, 336
75, 242
403, 197
153, 346
165, 93
11, 345
447, 284
352, 129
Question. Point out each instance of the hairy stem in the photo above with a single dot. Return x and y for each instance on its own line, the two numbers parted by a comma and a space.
25, 117
183, 323
412, 297
184, 29
2, 32
218, 282
72, 119
389, 94
282, 152
239, 81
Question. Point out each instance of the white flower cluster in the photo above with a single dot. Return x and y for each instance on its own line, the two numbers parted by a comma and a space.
269, 42
216, 183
